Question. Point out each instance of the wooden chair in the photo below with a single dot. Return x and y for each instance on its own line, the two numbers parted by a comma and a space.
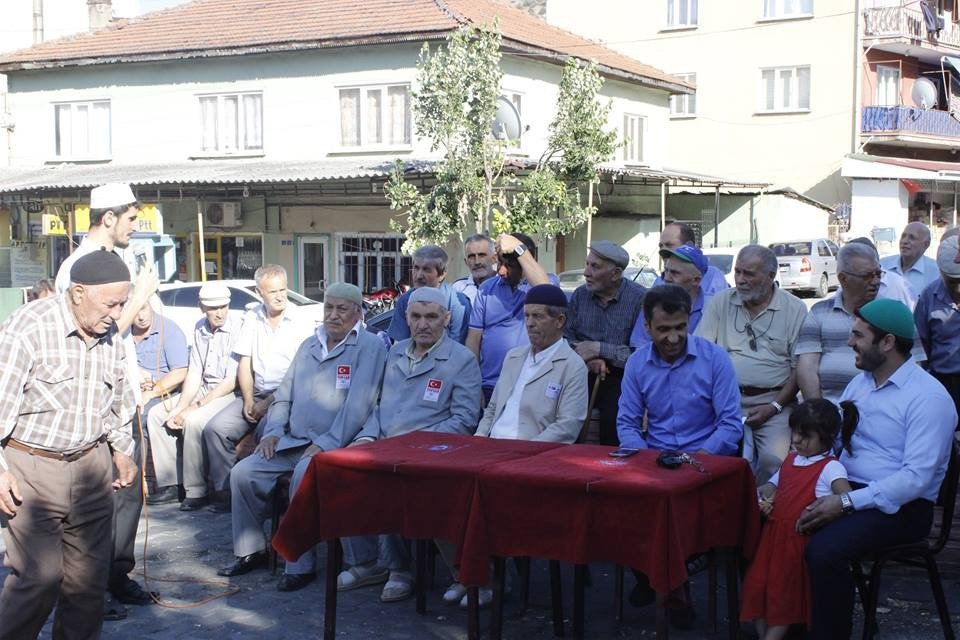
279, 503
918, 554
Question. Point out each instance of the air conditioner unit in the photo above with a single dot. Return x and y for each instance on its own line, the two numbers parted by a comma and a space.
223, 214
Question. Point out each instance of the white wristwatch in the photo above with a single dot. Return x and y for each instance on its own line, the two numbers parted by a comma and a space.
846, 504
776, 405
520, 250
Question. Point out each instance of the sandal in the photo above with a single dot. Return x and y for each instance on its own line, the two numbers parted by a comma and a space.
361, 576
399, 587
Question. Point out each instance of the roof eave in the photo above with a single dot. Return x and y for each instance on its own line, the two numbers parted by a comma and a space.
542, 53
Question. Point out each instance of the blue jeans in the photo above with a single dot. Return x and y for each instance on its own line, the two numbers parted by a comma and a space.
832, 548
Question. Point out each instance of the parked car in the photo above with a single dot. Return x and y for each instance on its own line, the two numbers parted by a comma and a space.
570, 280
723, 259
807, 265
181, 301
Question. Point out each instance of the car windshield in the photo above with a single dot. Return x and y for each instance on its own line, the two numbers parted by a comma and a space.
571, 276
791, 248
293, 297
723, 262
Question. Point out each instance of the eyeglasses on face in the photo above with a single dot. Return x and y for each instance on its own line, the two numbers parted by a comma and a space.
870, 275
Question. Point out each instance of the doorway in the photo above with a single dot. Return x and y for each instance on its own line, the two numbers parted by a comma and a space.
313, 252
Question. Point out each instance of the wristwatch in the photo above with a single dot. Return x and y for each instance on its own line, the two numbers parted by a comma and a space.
776, 405
520, 250
846, 504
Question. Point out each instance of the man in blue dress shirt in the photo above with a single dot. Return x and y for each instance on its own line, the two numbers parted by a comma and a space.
938, 320
910, 264
429, 270
687, 388
898, 460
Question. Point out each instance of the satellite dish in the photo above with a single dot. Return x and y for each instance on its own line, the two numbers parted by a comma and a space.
924, 93
506, 124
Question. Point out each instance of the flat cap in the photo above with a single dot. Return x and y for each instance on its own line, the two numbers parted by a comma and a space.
890, 316
214, 294
344, 291
548, 294
947, 258
109, 196
99, 267
611, 251
429, 294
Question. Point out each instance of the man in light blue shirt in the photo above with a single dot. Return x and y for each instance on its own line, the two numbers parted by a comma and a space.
677, 234
429, 270
496, 317
686, 267
897, 461
684, 384
914, 267
938, 320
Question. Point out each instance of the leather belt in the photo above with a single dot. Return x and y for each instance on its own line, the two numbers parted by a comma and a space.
756, 391
66, 456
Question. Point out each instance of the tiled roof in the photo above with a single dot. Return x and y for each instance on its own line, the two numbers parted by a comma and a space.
204, 28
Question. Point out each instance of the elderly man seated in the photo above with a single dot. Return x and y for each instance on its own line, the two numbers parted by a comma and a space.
431, 383
686, 388
323, 401
542, 390
209, 387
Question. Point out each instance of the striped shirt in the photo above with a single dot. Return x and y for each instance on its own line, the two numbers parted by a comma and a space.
56, 392
825, 331
212, 353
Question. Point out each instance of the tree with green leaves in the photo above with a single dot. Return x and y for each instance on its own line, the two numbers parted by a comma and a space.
454, 108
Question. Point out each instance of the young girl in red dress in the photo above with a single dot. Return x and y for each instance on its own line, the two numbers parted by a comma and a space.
776, 590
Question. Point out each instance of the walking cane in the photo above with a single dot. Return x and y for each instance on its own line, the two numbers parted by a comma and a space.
593, 399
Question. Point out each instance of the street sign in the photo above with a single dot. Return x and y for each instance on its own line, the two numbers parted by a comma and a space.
53, 225
149, 220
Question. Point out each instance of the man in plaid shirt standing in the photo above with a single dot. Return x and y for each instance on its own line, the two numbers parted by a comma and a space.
64, 397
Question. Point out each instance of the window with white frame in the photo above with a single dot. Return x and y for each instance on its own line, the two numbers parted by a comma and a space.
785, 89
372, 260
888, 85
633, 126
82, 129
682, 13
684, 104
375, 116
231, 123
776, 9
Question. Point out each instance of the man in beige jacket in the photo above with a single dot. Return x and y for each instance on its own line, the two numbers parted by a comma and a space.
542, 390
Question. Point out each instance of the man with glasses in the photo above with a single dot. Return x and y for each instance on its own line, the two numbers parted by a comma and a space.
759, 324
938, 319
825, 362
914, 267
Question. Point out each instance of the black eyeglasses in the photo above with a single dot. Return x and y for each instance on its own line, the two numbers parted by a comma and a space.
870, 275
753, 337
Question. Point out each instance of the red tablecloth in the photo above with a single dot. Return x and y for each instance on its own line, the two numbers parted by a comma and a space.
507, 497
579, 505
420, 485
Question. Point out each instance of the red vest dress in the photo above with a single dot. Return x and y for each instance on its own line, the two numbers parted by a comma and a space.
777, 587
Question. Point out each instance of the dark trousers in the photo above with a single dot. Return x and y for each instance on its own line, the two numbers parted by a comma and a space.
950, 382
127, 504
831, 550
608, 403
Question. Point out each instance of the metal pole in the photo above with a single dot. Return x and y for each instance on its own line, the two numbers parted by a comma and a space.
203, 256
590, 217
716, 216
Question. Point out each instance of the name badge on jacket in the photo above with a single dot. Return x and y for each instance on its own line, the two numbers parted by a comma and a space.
343, 376
553, 390
432, 392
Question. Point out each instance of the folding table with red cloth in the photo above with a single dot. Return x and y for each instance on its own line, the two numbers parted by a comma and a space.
505, 497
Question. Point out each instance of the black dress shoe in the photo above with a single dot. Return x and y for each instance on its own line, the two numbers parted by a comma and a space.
243, 565
220, 502
642, 594
130, 592
168, 494
295, 581
682, 617
192, 504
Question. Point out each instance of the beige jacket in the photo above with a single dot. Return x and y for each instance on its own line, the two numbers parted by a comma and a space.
554, 403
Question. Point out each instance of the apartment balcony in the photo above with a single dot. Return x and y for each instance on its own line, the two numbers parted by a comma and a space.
910, 127
903, 30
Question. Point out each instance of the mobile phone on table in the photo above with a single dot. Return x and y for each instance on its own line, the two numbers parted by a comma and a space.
623, 452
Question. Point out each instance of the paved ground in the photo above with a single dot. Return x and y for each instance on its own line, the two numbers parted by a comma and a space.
193, 545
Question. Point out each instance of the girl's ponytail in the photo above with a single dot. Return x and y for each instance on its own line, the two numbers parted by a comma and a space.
851, 416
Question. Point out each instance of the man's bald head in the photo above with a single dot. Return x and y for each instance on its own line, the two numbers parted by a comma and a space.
914, 241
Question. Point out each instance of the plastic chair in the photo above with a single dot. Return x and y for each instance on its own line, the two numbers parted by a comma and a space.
919, 554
